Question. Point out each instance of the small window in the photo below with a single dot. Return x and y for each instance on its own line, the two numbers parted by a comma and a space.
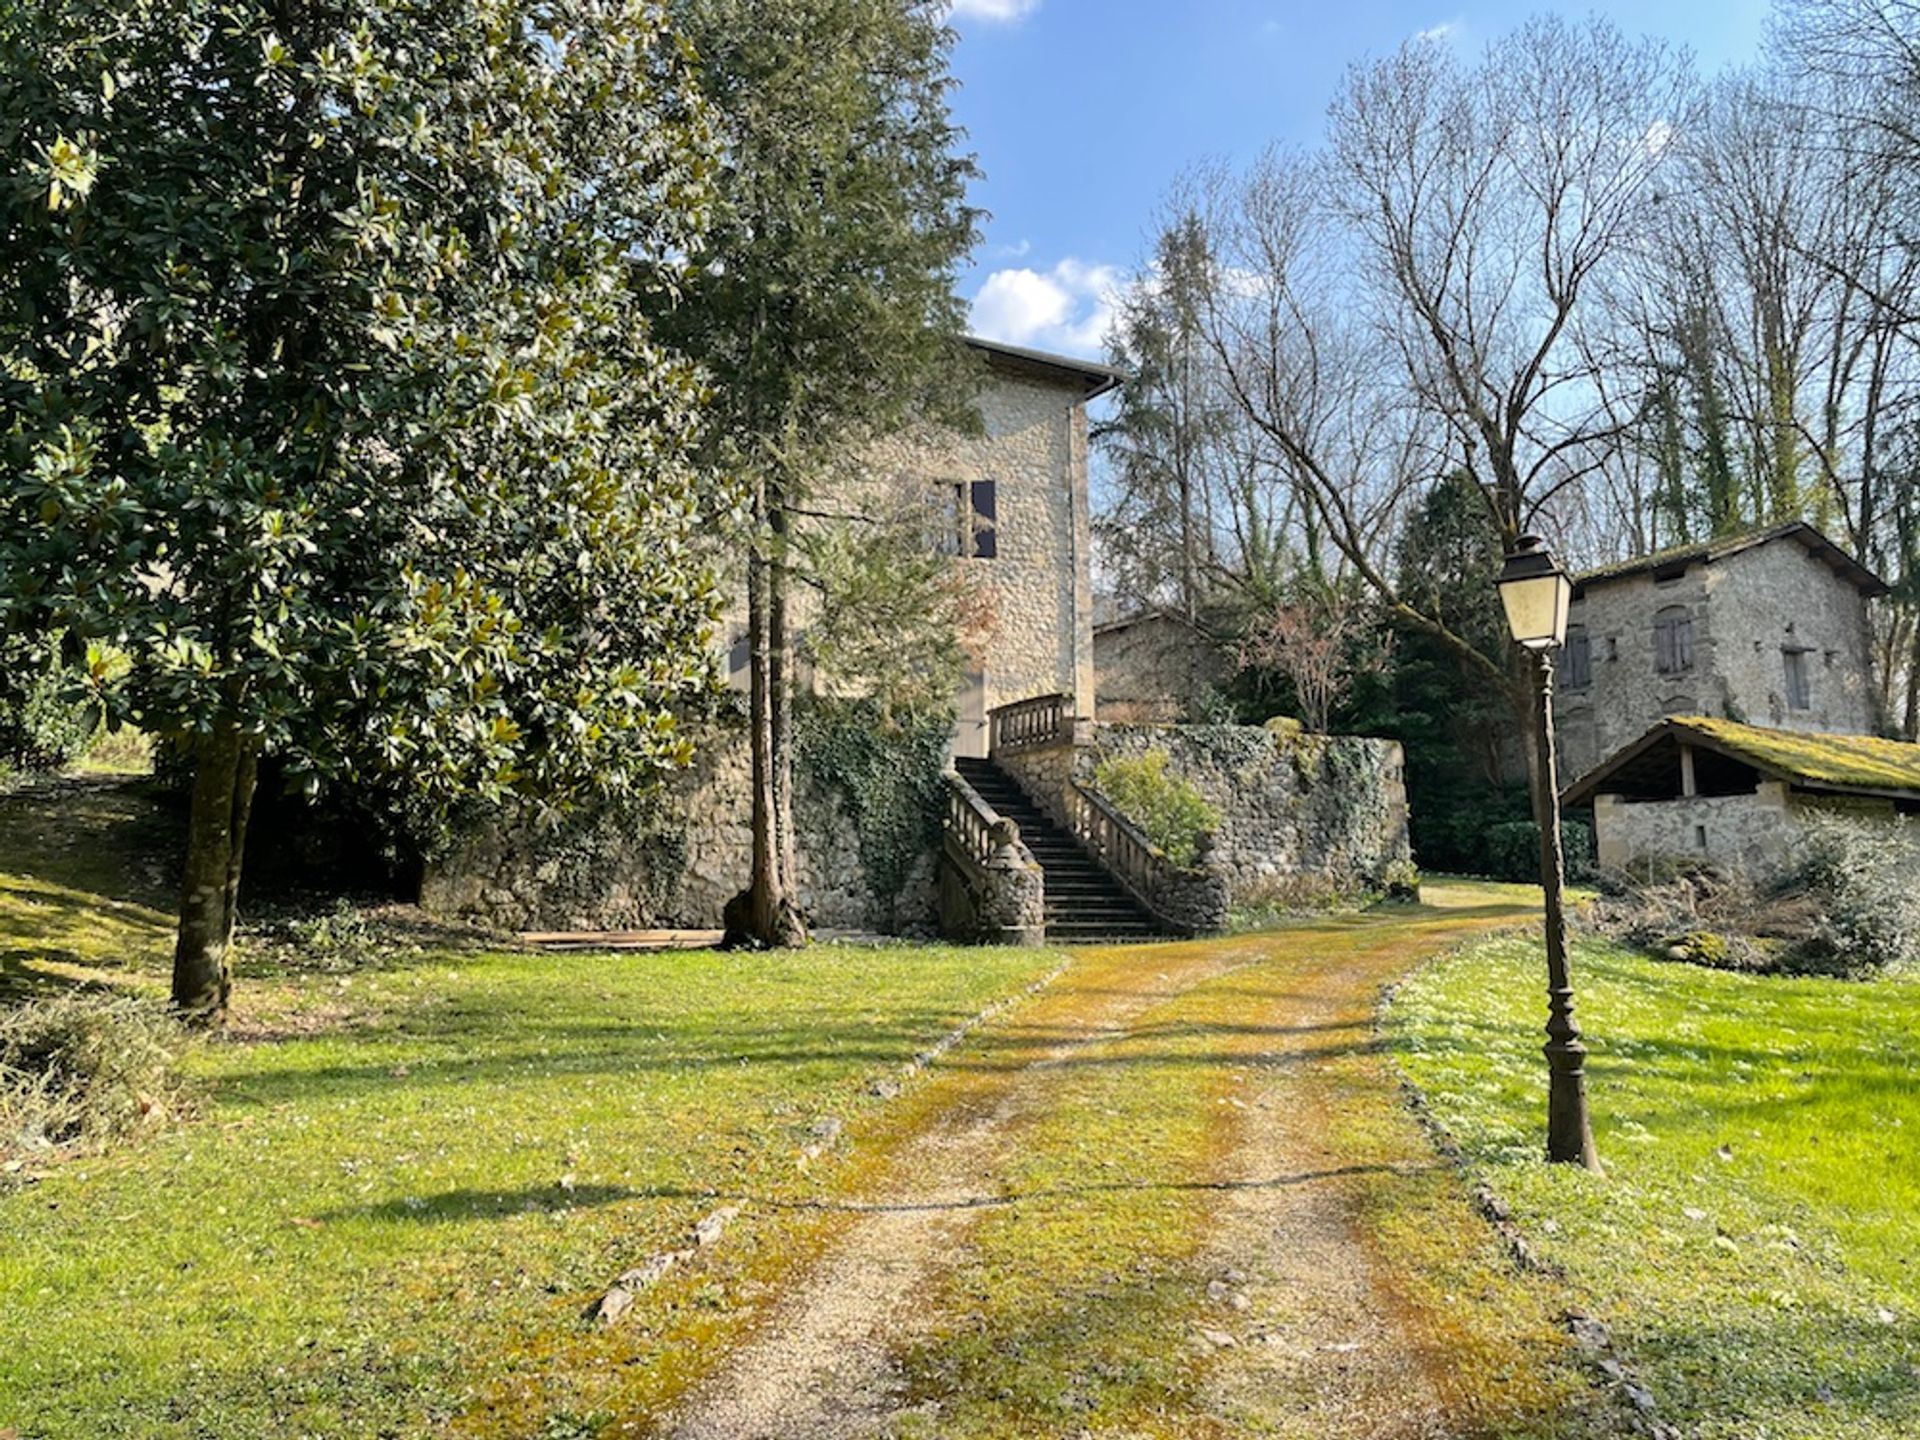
1673, 641
1700, 837
1576, 659
966, 519
1799, 681
986, 520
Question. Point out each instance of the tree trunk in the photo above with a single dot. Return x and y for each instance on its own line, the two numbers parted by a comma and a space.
780, 684
764, 913
224, 767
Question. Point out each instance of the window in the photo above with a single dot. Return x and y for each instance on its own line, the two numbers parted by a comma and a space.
966, 519
986, 520
1799, 682
1576, 659
1673, 641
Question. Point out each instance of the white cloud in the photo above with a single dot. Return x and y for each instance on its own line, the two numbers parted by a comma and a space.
1445, 30
1068, 308
996, 11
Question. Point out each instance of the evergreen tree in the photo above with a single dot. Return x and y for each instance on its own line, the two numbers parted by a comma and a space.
329, 419
822, 306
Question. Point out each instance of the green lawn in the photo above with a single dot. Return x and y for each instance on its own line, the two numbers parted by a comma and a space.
1755, 1244
409, 1180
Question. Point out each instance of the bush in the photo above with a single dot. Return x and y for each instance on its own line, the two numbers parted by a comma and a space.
1859, 878
1513, 850
42, 726
84, 1070
1169, 811
1847, 907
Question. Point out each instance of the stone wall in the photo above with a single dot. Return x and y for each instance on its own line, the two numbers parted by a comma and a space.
672, 861
1300, 814
1747, 609
1328, 810
1150, 670
1757, 833
1784, 598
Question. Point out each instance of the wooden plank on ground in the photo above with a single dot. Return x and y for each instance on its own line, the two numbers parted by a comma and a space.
621, 939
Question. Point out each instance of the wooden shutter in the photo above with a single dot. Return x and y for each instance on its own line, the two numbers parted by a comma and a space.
986, 539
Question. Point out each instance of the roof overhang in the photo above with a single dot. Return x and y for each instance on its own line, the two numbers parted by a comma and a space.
1087, 377
1650, 764
1800, 532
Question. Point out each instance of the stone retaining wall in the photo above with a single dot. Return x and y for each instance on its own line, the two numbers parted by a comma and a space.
1319, 814
672, 861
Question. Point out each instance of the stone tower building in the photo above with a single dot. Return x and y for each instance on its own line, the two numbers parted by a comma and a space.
1767, 628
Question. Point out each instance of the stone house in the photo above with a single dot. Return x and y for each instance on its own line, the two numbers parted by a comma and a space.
1050, 859
1710, 698
1010, 504
1767, 628
1700, 788
1149, 668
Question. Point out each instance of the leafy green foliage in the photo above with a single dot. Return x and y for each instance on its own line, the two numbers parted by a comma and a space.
1168, 810
45, 720
326, 397
1513, 850
889, 768
1750, 1246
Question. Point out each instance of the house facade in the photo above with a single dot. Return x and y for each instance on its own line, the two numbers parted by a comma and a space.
1713, 700
1768, 628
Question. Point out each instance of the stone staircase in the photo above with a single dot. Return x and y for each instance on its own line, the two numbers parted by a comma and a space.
1085, 904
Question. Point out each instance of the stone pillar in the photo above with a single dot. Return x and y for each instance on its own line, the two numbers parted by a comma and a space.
1013, 907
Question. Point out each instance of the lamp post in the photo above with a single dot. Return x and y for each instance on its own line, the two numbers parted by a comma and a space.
1536, 592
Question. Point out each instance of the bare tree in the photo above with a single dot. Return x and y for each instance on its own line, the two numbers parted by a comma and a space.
1407, 302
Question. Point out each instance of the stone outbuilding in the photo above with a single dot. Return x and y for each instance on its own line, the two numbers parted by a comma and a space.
1150, 668
1704, 789
1765, 628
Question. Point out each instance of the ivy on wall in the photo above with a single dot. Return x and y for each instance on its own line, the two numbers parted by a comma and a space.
889, 770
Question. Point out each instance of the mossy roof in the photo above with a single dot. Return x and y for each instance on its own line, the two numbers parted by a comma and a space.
1719, 548
1850, 764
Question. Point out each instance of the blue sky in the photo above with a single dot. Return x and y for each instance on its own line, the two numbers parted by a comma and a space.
1082, 112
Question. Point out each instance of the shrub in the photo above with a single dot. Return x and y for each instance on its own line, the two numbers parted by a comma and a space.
1169, 811
84, 1070
42, 725
1513, 850
1859, 877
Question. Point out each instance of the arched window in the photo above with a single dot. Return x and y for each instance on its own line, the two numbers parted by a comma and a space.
1673, 641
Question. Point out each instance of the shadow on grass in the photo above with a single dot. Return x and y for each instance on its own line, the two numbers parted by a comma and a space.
472, 1204
535, 1050
1752, 1369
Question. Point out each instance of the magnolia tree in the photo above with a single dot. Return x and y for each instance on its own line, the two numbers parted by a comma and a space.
329, 417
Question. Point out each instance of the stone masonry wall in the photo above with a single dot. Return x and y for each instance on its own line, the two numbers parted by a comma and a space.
1039, 637
1784, 598
1326, 809
1756, 833
671, 862
1152, 669
1746, 609
1300, 814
